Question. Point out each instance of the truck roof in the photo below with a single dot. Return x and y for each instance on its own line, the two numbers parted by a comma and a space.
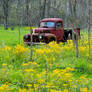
51, 19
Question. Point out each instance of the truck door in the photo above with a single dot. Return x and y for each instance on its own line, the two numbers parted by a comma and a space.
59, 31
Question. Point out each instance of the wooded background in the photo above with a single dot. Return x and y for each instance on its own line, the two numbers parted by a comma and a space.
22, 12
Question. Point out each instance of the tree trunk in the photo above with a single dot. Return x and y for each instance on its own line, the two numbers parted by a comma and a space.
47, 14
27, 12
5, 12
40, 9
44, 9
55, 9
49, 4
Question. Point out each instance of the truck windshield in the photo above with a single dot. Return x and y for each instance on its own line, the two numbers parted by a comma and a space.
47, 24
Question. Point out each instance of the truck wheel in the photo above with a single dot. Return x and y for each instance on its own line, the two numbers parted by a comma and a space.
51, 40
64, 39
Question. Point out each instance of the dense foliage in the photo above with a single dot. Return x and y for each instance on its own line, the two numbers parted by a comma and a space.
21, 12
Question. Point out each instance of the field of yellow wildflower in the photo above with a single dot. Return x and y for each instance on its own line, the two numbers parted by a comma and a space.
54, 68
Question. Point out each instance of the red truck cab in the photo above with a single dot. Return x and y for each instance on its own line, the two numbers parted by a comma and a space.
55, 26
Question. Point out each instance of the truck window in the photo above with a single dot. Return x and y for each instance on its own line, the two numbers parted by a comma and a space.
59, 25
47, 24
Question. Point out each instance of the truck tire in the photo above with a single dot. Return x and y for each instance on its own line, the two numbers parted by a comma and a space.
64, 38
51, 40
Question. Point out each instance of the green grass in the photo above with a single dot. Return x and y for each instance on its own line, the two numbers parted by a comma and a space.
11, 37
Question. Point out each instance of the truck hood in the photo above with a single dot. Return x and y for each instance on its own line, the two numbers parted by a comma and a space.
43, 30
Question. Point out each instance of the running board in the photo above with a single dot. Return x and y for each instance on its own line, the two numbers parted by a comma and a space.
35, 43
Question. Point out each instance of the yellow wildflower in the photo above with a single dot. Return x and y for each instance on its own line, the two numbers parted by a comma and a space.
83, 77
4, 85
1, 88
46, 50
66, 90
91, 87
69, 69
48, 59
63, 71
82, 48
6, 48
29, 85
53, 59
90, 90
83, 90
22, 90
86, 42
10, 89
29, 70
25, 64
39, 51
43, 73
65, 48
34, 63
27, 28
68, 75
70, 81
49, 85
35, 85
53, 90
56, 71
4, 64
20, 49
78, 80
38, 75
